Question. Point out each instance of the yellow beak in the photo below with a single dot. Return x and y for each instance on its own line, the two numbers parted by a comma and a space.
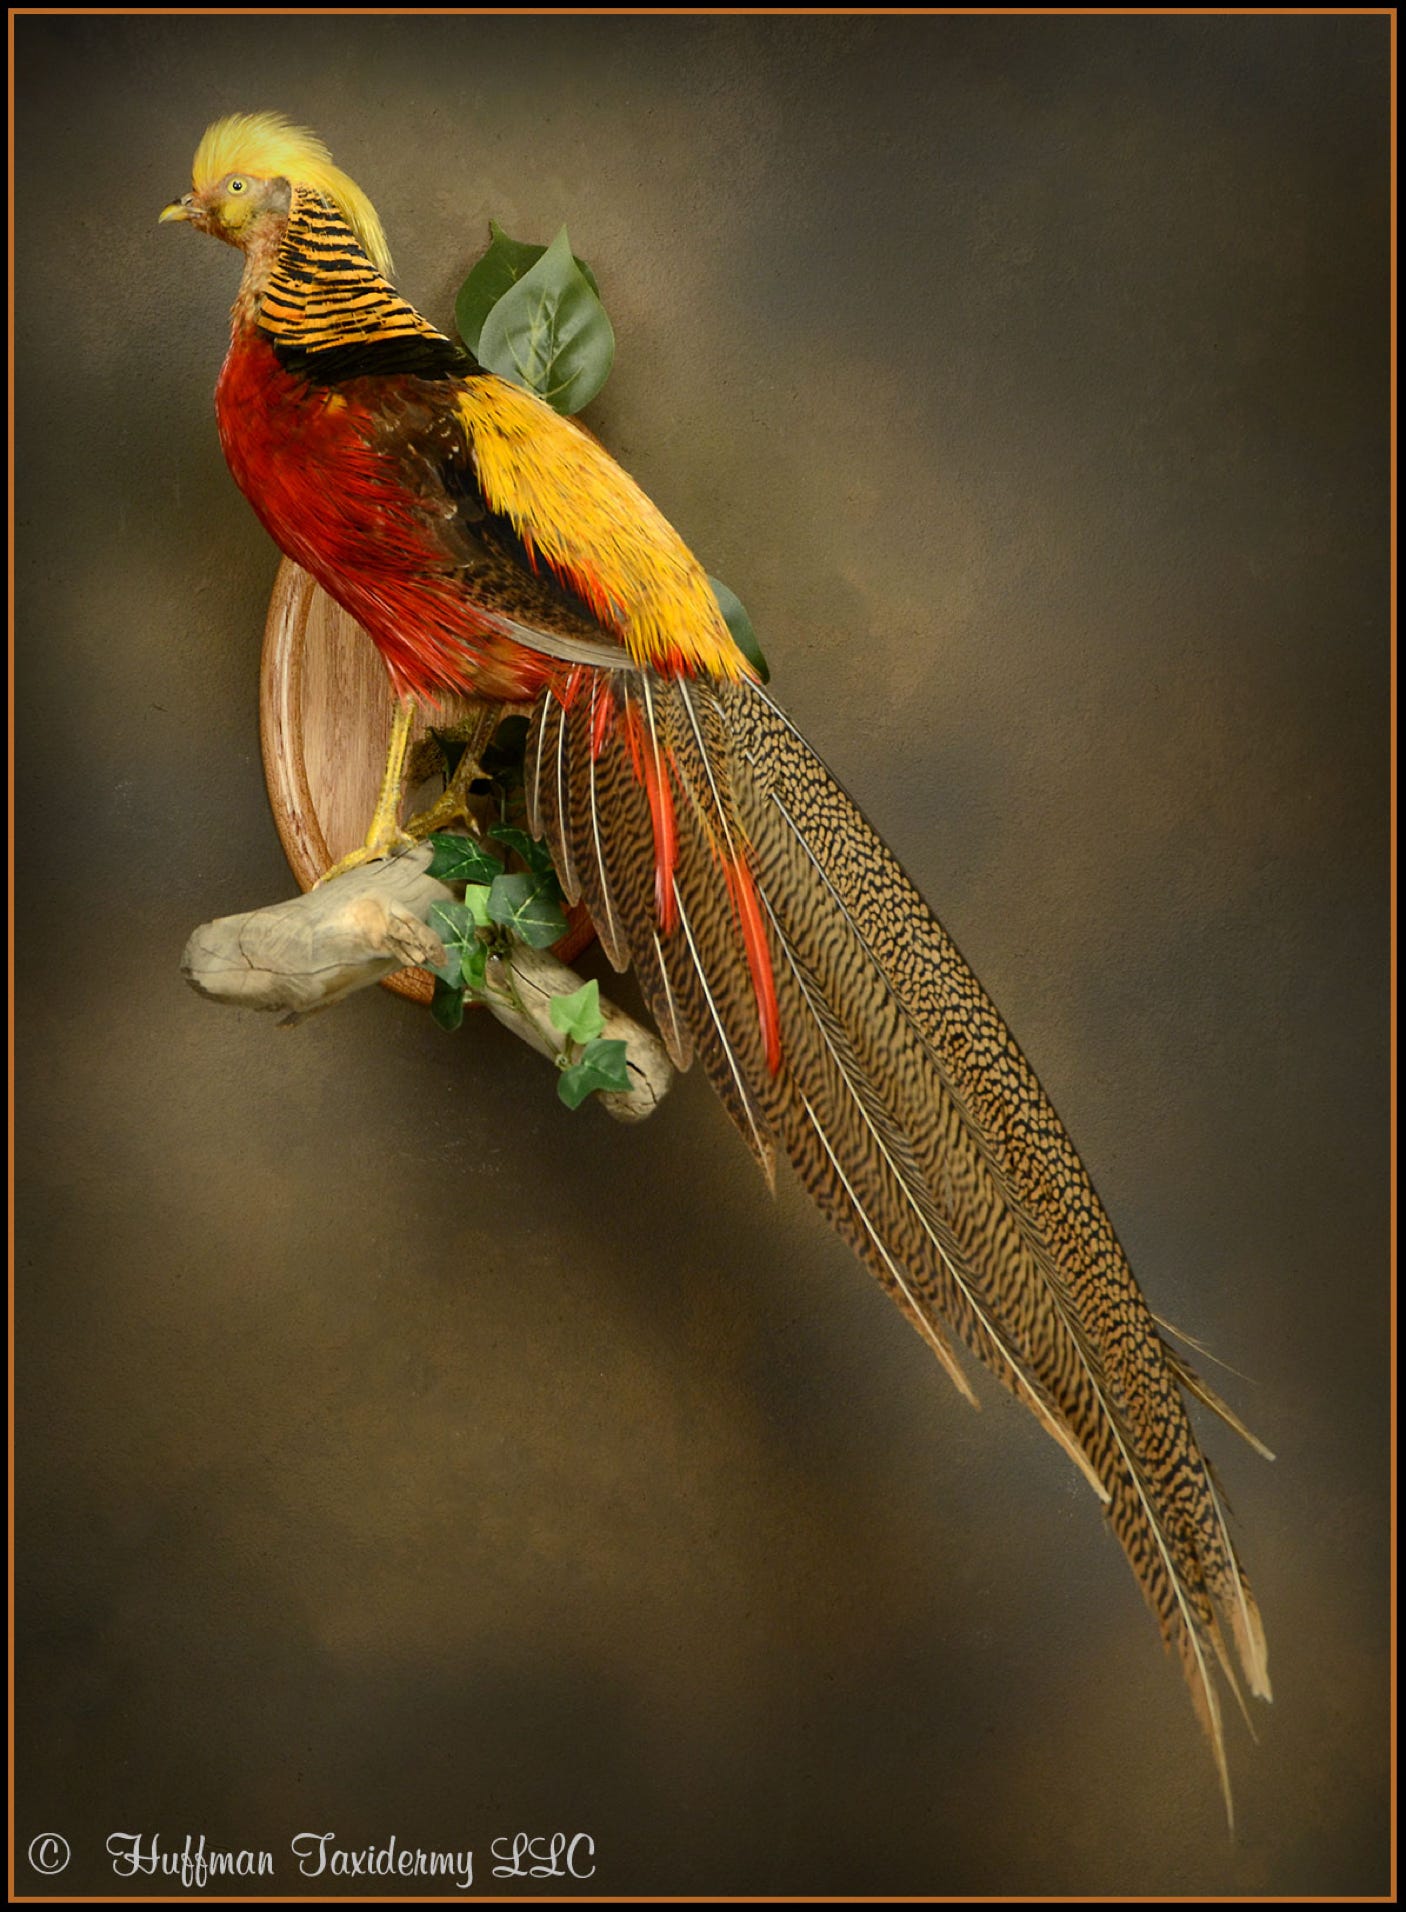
178, 209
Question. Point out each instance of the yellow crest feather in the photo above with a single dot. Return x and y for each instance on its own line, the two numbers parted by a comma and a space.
268, 146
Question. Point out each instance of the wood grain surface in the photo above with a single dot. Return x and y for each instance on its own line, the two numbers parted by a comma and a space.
325, 706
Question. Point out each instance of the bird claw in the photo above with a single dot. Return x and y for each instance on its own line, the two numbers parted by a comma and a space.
452, 807
378, 845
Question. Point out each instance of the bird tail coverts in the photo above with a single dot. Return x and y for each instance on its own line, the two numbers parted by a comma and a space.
777, 937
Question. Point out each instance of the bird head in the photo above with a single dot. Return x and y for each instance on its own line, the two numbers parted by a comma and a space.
248, 168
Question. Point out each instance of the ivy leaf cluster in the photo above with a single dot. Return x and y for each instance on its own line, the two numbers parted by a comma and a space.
500, 906
533, 314
587, 1061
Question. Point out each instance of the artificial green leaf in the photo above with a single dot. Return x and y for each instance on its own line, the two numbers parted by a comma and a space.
475, 967
458, 859
578, 1015
447, 1007
550, 332
608, 1060
535, 855
740, 625
527, 905
456, 925
476, 897
602, 1066
498, 271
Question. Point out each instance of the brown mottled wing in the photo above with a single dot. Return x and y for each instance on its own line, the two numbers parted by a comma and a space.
449, 587
902, 1099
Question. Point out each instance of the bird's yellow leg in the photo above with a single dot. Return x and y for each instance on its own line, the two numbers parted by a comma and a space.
385, 835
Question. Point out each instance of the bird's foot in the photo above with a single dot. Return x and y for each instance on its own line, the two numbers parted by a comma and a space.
381, 841
451, 807
454, 805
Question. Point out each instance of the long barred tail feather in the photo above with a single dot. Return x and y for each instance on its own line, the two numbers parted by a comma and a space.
777, 939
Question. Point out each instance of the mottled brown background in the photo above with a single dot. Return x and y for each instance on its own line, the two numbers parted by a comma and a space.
400, 1454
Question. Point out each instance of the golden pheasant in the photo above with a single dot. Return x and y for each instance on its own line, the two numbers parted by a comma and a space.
494, 550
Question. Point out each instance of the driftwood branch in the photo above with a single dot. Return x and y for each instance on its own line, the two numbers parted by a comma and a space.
311, 951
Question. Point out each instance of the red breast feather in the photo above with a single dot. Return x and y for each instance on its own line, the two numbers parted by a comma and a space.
305, 456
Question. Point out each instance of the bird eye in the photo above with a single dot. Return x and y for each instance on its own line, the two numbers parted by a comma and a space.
236, 185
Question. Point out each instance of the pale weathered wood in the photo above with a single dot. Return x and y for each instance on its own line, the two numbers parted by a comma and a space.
519, 991
309, 952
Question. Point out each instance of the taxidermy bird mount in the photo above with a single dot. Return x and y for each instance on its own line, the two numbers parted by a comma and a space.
495, 551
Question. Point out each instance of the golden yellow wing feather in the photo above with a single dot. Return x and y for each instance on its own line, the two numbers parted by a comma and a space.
583, 516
